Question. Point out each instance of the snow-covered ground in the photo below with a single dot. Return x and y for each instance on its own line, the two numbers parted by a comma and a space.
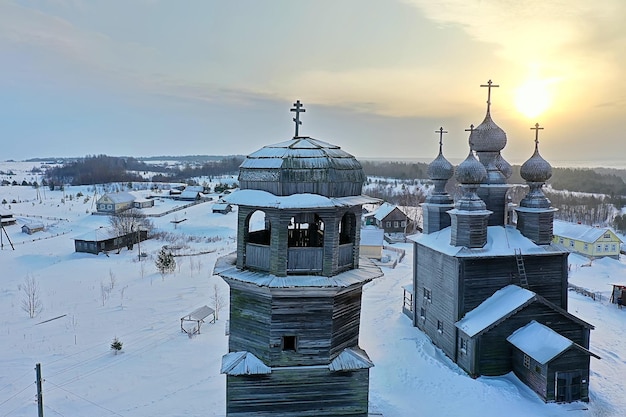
162, 372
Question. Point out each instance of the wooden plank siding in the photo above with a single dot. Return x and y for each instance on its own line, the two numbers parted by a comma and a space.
494, 352
346, 320
302, 392
547, 276
437, 273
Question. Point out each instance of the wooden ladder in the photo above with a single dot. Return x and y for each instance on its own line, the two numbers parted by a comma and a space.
521, 269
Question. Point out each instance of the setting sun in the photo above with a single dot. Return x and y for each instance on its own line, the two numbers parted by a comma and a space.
532, 98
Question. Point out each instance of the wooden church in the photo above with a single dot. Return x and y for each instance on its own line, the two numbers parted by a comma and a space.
296, 282
491, 295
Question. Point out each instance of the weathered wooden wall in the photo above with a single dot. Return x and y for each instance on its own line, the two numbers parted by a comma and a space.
303, 392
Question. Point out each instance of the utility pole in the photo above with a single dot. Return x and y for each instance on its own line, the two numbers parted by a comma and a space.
39, 392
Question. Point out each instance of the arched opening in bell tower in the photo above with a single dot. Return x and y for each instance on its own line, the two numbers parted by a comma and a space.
306, 230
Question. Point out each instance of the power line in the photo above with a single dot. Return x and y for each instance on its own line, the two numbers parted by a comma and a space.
15, 395
85, 399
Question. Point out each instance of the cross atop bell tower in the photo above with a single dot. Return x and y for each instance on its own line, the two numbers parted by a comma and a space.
297, 109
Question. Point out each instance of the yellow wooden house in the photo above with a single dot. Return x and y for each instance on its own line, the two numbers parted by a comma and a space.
590, 241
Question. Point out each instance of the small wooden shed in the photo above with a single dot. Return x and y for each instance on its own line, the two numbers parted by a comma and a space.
618, 295
198, 316
32, 227
550, 364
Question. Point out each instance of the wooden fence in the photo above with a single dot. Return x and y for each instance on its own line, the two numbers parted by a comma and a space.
596, 296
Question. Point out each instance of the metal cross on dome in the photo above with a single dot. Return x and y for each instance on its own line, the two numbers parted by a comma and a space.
536, 129
297, 109
441, 132
489, 85
471, 130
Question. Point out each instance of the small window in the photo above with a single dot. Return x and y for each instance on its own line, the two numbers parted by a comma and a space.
289, 343
607, 235
403, 223
598, 248
606, 248
427, 295
388, 223
440, 326
561, 240
613, 247
422, 314
463, 346
538, 369
586, 246
571, 243
396, 224
526, 361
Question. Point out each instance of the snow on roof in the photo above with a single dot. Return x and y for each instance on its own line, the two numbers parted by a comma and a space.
366, 272
351, 359
580, 232
265, 199
220, 206
120, 197
243, 363
494, 308
501, 241
201, 313
372, 236
98, 235
539, 342
382, 211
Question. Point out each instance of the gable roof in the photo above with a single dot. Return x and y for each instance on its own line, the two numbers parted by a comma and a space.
503, 304
383, 211
121, 197
580, 232
500, 305
542, 343
98, 235
351, 359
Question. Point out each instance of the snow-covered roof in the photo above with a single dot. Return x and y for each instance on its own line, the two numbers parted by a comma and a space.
243, 363
265, 199
350, 359
580, 232
98, 235
501, 241
220, 206
502, 303
381, 212
372, 236
190, 194
201, 313
120, 197
539, 342
367, 271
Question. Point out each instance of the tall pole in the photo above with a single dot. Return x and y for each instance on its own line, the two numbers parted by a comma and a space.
39, 392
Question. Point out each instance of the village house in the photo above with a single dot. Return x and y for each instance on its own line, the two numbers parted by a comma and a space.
32, 227
6, 217
387, 217
107, 239
372, 240
593, 242
140, 202
221, 207
112, 203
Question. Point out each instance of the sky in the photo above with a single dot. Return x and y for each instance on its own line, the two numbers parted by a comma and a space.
377, 78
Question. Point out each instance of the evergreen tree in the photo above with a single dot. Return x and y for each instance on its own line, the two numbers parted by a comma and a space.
116, 345
165, 262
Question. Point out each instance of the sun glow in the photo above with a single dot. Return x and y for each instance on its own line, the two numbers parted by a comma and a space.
533, 98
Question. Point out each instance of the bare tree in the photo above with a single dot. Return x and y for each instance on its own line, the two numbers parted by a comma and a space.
130, 222
31, 301
218, 301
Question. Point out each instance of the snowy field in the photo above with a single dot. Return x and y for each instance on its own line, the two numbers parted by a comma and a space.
162, 372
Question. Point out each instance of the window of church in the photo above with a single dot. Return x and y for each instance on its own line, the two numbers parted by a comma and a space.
422, 314
463, 346
440, 326
427, 295
289, 343
526, 361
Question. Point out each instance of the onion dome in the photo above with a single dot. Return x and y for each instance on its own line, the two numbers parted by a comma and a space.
440, 168
503, 166
536, 169
302, 165
487, 136
470, 171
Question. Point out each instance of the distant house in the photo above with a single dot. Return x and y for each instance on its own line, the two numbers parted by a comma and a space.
6, 217
143, 203
190, 195
221, 207
115, 202
105, 240
593, 242
371, 244
32, 227
387, 217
